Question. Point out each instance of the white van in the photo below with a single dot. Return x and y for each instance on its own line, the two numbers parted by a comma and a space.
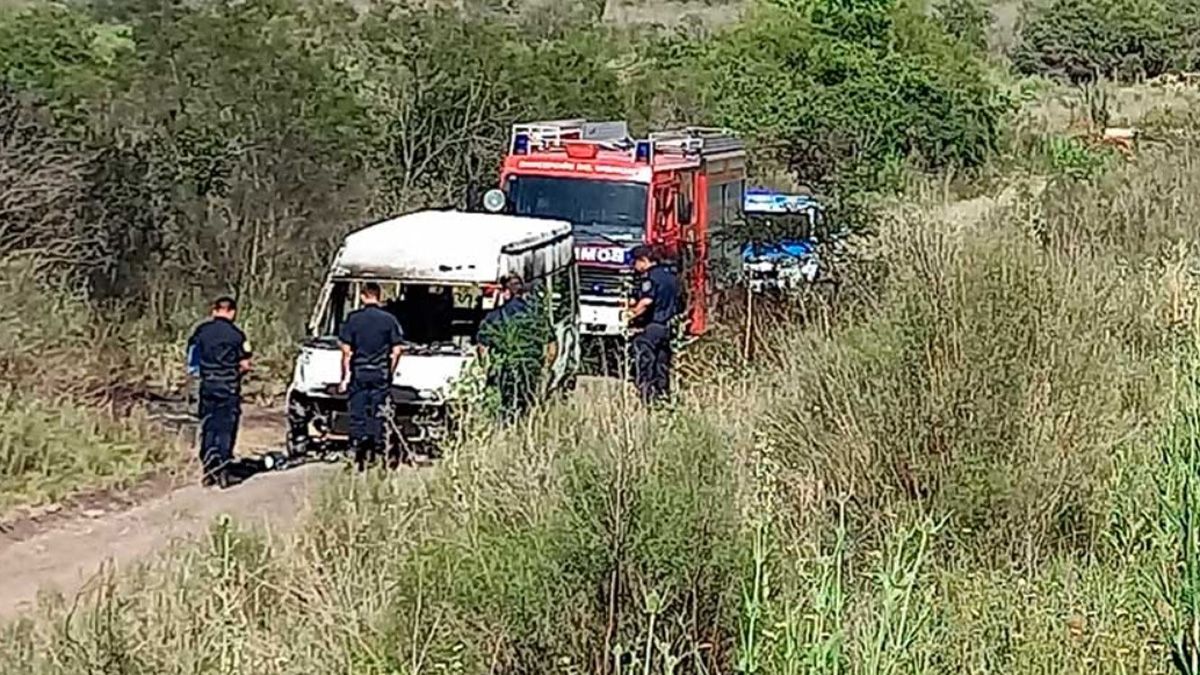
440, 273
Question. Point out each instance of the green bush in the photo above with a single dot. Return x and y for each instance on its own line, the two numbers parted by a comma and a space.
52, 448
847, 95
967, 20
1083, 40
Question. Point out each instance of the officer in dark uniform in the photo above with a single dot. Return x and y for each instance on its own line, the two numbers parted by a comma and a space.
222, 354
655, 306
371, 340
513, 339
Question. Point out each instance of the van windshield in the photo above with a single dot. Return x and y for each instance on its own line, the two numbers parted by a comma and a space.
434, 317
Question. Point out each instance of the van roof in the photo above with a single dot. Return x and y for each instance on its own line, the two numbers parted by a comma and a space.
446, 246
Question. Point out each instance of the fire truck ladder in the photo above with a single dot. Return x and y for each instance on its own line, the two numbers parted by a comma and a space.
552, 133
704, 142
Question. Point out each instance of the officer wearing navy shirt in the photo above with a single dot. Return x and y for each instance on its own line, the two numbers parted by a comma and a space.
655, 306
371, 340
513, 340
221, 353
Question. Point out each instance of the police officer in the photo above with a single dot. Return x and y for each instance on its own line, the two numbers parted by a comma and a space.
511, 338
655, 306
222, 354
371, 341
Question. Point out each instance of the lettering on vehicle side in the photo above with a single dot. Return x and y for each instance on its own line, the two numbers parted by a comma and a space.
602, 255
639, 173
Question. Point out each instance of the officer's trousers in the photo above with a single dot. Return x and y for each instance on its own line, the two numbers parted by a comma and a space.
652, 362
368, 392
516, 384
220, 415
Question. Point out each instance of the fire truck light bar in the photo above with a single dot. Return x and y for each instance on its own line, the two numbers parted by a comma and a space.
644, 151
520, 144
765, 201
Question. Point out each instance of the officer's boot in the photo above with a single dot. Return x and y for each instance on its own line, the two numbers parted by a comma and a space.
360, 455
373, 451
223, 478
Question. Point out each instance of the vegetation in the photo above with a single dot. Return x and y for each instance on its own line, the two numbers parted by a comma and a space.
1084, 40
980, 458
983, 466
157, 154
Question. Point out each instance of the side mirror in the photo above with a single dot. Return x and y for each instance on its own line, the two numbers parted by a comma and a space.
685, 213
495, 200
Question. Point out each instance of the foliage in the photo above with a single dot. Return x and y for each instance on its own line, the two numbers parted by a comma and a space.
60, 53
967, 20
848, 95
1082, 40
51, 449
516, 338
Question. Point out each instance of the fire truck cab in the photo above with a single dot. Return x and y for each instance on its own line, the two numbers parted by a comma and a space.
677, 190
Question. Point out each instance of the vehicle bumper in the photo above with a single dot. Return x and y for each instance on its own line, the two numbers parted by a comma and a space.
598, 318
317, 419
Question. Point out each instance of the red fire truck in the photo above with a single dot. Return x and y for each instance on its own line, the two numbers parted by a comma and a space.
675, 189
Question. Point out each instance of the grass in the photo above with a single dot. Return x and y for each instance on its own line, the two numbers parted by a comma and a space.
75, 380
983, 463
69, 414
51, 449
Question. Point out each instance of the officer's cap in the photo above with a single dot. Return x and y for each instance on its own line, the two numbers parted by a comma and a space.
645, 252
225, 303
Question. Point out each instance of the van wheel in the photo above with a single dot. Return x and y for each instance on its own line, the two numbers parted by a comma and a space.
564, 390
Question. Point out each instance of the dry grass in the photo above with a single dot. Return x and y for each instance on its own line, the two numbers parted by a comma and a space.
960, 473
70, 418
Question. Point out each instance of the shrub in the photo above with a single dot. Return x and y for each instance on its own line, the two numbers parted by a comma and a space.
996, 367
847, 96
967, 20
1081, 40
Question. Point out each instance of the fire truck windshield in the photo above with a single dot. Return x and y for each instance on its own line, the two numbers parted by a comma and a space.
597, 208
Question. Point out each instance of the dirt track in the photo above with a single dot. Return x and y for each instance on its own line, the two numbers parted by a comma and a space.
63, 557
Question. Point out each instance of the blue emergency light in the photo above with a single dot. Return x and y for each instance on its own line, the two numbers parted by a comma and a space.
520, 144
643, 151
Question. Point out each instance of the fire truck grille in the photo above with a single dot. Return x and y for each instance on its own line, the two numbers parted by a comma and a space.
603, 282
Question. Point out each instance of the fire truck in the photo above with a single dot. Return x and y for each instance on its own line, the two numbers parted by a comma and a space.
678, 190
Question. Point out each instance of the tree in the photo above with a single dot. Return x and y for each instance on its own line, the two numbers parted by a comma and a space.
41, 185
845, 93
1082, 40
966, 20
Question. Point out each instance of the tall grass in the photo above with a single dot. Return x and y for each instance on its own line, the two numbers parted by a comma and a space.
51, 449
69, 419
984, 465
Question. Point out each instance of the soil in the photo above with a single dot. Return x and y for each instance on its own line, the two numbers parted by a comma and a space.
60, 548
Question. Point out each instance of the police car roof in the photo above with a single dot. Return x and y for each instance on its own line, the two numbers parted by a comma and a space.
451, 246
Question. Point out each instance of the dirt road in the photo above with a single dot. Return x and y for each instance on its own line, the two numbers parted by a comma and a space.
63, 557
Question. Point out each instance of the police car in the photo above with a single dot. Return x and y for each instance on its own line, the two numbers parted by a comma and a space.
787, 264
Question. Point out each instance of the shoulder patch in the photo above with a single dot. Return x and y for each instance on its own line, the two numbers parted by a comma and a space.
246, 346
647, 285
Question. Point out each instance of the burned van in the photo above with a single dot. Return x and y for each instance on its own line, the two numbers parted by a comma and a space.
440, 272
